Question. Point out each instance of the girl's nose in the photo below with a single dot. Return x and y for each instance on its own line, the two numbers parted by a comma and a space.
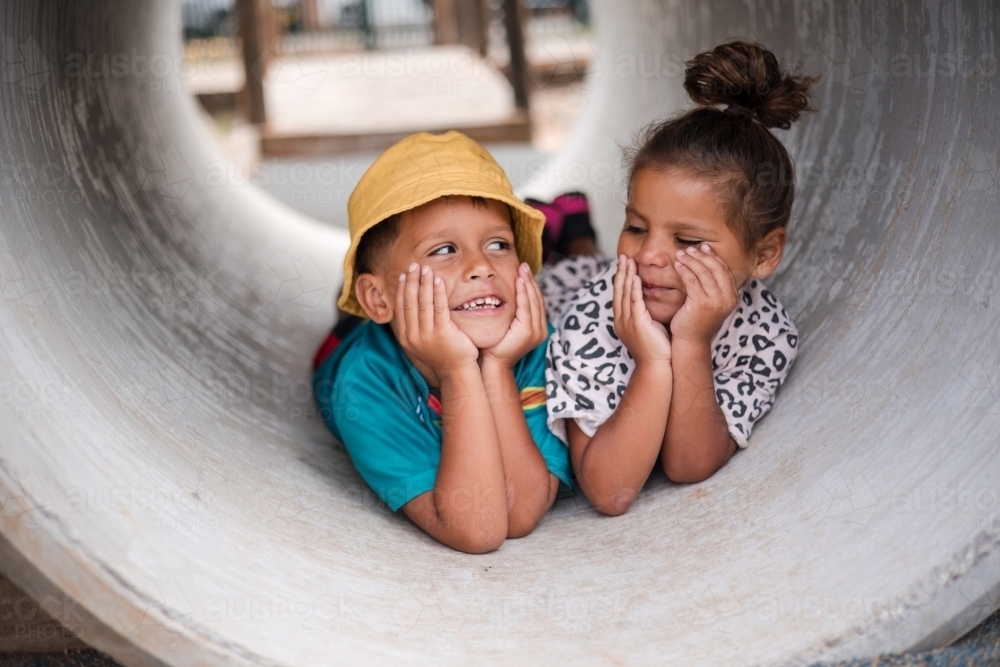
655, 252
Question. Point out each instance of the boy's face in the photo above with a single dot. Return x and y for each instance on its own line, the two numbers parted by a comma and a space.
472, 249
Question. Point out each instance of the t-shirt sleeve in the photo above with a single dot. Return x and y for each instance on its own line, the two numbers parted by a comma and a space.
751, 358
531, 384
560, 281
385, 430
587, 366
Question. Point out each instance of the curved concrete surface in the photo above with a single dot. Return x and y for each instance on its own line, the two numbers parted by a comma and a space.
168, 492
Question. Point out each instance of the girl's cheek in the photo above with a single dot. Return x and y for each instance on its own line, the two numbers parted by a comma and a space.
627, 246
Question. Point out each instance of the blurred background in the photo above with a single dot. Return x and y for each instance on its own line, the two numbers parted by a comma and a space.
304, 94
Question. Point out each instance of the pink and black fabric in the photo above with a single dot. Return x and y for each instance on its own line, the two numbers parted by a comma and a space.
345, 325
567, 218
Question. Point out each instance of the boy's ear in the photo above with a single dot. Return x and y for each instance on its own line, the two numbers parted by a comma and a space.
370, 292
768, 253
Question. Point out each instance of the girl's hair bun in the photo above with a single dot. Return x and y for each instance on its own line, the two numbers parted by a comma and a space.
745, 74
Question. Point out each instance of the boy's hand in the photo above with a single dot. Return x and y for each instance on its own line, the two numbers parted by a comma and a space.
422, 323
644, 337
711, 294
529, 328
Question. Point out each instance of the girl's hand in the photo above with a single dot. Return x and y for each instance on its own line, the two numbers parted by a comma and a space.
644, 337
423, 326
529, 328
711, 294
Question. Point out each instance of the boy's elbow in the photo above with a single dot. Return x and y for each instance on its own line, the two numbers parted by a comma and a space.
523, 519
520, 529
523, 523
481, 537
466, 534
482, 542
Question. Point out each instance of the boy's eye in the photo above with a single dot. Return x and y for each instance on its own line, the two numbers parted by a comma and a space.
443, 250
498, 245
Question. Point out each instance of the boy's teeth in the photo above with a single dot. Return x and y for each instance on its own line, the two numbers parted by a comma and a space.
490, 301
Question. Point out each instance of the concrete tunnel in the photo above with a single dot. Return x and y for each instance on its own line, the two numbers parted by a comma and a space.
864, 519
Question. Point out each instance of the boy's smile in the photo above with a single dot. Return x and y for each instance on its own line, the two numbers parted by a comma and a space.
471, 247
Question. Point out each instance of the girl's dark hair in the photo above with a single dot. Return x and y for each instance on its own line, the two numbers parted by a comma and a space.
733, 146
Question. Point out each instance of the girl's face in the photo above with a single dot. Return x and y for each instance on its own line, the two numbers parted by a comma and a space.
671, 210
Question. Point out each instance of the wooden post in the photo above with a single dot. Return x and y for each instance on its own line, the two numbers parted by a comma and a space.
518, 61
310, 15
256, 19
371, 32
445, 22
471, 24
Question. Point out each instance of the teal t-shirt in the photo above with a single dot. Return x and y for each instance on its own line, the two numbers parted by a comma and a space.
379, 405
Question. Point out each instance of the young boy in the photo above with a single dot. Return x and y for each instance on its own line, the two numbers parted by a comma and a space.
439, 396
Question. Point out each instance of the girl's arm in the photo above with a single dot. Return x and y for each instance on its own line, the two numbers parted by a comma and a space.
613, 465
697, 442
531, 489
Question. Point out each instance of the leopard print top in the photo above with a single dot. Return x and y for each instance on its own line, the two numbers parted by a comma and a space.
587, 367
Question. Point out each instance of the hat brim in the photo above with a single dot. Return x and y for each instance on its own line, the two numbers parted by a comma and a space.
528, 224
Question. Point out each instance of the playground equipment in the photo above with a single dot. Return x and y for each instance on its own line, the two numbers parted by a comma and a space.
168, 491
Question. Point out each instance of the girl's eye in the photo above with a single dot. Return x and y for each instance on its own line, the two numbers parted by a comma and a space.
688, 242
443, 250
632, 229
498, 245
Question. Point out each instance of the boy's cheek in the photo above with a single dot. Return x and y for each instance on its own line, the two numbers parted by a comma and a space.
508, 322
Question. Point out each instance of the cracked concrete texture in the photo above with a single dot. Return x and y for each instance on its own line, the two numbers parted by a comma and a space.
163, 463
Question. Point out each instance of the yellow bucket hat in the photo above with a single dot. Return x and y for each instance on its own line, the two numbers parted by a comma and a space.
424, 167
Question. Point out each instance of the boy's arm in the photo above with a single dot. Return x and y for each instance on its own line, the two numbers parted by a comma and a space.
531, 489
613, 465
697, 441
467, 510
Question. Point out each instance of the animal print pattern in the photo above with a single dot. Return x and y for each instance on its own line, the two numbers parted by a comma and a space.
558, 282
588, 368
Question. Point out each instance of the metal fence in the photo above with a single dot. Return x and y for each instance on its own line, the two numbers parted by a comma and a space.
205, 19
322, 24
337, 25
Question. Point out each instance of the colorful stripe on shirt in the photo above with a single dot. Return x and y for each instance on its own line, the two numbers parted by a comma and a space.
345, 325
435, 404
532, 397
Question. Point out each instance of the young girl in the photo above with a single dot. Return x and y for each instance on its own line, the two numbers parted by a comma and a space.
673, 352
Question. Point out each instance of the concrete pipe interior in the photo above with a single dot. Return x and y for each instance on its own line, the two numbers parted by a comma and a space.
161, 466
